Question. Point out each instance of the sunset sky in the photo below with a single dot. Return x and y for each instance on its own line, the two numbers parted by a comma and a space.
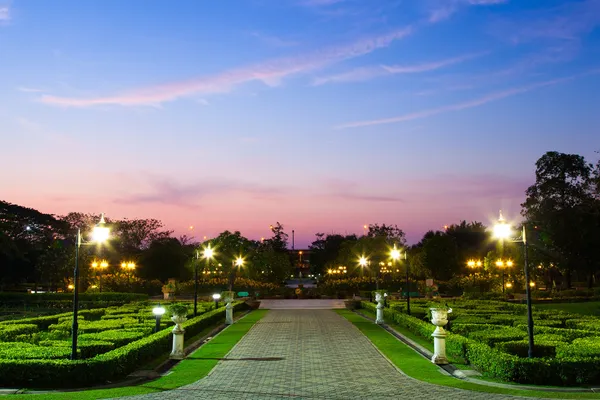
324, 115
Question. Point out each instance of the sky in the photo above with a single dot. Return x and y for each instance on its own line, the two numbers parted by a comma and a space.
323, 115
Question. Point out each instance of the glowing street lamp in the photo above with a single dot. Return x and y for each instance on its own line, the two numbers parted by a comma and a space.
99, 266
100, 234
396, 254
501, 264
216, 298
503, 231
158, 312
238, 262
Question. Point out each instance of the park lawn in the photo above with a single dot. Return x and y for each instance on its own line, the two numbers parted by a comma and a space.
196, 366
584, 308
415, 366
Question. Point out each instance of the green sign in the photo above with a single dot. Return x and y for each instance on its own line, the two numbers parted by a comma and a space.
243, 294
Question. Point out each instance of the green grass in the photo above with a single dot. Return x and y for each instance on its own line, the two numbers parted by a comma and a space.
415, 366
584, 308
196, 366
418, 339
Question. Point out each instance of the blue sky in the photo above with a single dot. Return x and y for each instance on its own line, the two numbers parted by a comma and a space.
321, 114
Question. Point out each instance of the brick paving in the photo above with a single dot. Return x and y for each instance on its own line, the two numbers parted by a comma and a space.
309, 354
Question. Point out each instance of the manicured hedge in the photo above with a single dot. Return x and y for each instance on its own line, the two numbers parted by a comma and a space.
117, 337
26, 351
564, 356
8, 333
86, 348
65, 300
112, 365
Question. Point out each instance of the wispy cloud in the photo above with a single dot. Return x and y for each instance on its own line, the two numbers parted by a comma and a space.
269, 73
350, 190
464, 105
29, 89
444, 9
166, 191
366, 73
4, 13
407, 69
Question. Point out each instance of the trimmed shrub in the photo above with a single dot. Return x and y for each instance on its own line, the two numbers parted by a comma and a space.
583, 347
10, 332
117, 337
27, 351
464, 329
85, 348
521, 348
104, 367
491, 337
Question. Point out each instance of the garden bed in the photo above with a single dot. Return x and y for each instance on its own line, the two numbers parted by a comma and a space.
492, 337
112, 342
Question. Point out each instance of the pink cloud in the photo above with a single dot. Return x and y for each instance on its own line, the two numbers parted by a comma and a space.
464, 105
270, 73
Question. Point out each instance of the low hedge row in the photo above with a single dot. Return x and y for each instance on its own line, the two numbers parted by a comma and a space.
64, 301
8, 333
112, 365
106, 296
568, 368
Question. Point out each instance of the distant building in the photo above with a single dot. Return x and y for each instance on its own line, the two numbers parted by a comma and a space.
301, 261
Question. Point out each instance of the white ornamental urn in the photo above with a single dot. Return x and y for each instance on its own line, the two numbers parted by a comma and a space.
439, 318
178, 320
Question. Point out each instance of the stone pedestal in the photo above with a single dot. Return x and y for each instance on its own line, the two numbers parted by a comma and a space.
177, 351
228, 311
379, 299
439, 317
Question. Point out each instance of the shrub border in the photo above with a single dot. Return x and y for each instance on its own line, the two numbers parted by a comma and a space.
493, 363
116, 363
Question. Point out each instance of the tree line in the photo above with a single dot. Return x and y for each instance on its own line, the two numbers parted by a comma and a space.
561, 214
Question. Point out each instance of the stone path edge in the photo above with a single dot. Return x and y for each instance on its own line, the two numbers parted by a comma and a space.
456, 373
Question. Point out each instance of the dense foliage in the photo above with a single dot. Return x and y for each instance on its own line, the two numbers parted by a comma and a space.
492, 337
112, 343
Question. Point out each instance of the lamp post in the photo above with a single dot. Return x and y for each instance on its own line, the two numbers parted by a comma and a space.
100, 234
208, 253
158, 312
503, 231
501, 264
238, 262
128, 266
100, 266
364, 263
216, 298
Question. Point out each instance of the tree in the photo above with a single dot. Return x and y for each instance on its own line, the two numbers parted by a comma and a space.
471, 240
326, 249
279, 240
134, 235
165, 258
563, 205
391, 233
228, 247
440, 255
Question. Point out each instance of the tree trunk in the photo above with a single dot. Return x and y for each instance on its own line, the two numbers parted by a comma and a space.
590, 280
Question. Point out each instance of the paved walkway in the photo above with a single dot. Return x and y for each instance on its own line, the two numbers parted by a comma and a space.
301, 304
309, 354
